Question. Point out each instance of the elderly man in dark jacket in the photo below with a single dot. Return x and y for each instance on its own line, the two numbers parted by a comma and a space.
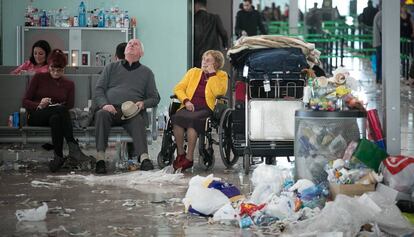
209, 32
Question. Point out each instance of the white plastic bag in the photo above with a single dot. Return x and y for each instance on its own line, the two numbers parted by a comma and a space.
267, 180
226, 212
398, 173
202, 199
35, 214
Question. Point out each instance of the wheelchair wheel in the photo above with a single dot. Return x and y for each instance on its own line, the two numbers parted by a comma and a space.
168, 146
205, 149
226, 139
246, 163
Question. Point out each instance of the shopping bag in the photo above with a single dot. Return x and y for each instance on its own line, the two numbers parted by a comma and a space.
399, 173
370, 154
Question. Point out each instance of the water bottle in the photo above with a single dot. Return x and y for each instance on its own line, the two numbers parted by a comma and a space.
126, 20
43, 19
101, 18
82, 15
107, 19
90, 19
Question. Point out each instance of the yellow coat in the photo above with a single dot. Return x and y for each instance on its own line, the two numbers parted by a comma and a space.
216, 86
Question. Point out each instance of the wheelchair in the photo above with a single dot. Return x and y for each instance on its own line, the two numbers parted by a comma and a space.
215, 123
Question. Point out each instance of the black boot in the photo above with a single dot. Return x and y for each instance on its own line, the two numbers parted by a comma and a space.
100, 167
56, 163
76, 153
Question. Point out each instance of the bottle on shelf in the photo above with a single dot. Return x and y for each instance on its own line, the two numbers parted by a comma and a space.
107, 19
58, 18
89, 21
101, 18
43, 19
51, 17
65, 18
28, 16
126, 20
82, 15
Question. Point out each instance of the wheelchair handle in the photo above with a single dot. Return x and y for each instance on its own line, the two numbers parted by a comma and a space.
222, 97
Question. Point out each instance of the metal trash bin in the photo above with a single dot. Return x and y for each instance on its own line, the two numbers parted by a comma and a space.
322, 136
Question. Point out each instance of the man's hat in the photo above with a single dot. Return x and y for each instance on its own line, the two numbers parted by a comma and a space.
129, 110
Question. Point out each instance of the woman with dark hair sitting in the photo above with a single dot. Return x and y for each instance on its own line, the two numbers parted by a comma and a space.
49, 97
38, 59
197, 92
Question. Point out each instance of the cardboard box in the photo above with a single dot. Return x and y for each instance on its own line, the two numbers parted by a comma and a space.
350, 189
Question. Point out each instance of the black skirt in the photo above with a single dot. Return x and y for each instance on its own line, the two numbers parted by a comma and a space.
188, 119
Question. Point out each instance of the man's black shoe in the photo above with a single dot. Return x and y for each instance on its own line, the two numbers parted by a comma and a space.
100, 167
147, 165
56, 163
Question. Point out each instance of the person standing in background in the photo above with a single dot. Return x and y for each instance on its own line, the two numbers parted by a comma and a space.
209, 33
376, 43
248, 21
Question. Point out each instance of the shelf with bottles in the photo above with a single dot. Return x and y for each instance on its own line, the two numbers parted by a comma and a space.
95, 18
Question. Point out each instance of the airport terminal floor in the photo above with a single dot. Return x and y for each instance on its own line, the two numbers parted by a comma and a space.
82, 204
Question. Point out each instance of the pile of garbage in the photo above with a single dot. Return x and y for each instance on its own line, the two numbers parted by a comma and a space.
275, 199
285, 207
333, 93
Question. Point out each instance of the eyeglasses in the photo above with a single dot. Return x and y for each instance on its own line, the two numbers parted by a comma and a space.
56, 69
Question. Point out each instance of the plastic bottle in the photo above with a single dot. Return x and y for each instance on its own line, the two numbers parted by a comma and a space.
90, 19
58, 18
82, 15
43, 19
126, 20
107, 19
101, 18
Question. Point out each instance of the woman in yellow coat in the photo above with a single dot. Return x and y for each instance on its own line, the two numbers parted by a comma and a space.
197, 92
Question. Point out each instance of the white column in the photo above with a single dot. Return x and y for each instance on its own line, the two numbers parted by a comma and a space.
293, 16
391, 75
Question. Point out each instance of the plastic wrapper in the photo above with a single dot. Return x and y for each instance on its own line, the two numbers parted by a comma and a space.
35, 214
347, 215
398, 173
280, 207
267, 180
375, 130
312, 168
226, 212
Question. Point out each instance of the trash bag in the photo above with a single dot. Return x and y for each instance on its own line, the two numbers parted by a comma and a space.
398, 173
267, 179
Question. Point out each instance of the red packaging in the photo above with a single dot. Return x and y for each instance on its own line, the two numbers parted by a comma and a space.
374, 125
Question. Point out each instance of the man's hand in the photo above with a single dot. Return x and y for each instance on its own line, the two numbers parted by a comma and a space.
140, 105
44, 102
110, 108
189, 106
